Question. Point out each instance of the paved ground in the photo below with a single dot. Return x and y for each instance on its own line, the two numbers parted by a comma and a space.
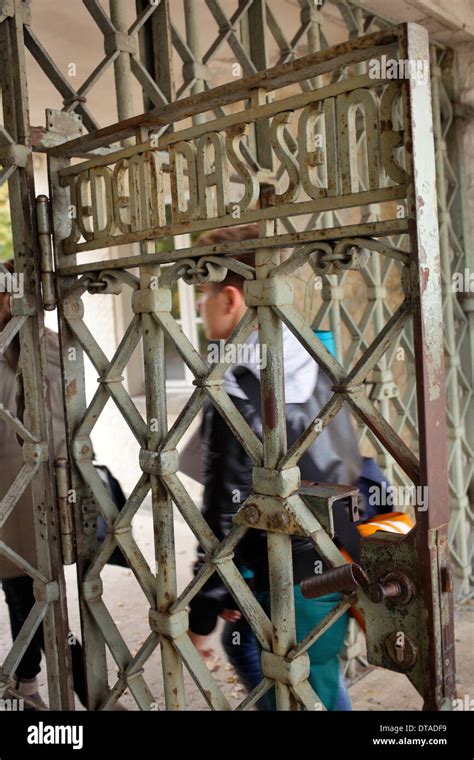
376, 690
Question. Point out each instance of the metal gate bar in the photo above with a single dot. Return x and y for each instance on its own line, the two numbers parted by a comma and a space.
37, 473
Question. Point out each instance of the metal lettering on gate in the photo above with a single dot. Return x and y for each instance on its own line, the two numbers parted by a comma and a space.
115, 196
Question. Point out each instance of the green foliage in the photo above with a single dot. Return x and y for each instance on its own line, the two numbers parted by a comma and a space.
6, 247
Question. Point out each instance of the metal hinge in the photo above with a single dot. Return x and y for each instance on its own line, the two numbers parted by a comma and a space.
66, 520
43, 217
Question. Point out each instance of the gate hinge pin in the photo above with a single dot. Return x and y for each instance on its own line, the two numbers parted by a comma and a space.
46, 252
65, 512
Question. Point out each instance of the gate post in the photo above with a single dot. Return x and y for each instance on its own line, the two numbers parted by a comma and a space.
431, 533
39, 457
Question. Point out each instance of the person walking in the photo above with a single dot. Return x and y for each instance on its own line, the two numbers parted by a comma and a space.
334, 457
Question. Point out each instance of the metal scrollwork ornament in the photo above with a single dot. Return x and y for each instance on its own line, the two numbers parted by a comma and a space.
201, 271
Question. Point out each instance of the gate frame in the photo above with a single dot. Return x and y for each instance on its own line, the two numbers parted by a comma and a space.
430, 534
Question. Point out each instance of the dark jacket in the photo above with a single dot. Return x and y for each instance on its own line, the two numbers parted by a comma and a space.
333, 458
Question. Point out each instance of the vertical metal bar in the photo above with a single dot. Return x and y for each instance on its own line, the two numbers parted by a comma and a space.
331, 290
282, 601
157, 49
274, 447
193, 38
33, 354
279, 546
165, 555
315, 21
123, 78
122, 66
383, 373
258, 54
431, 530
72, 364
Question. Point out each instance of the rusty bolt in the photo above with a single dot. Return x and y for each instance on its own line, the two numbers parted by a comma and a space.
280, 520
396, 586
377, 592
85, 450
251, 514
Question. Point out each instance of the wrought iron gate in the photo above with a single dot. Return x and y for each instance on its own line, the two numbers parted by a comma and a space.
92, 208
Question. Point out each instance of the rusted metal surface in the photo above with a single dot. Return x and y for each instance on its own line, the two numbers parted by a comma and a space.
138, 217
287, 74
343, 579
65, 508
429, 359
50, 608
321, 498
164, 163
344, 196
399, 626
